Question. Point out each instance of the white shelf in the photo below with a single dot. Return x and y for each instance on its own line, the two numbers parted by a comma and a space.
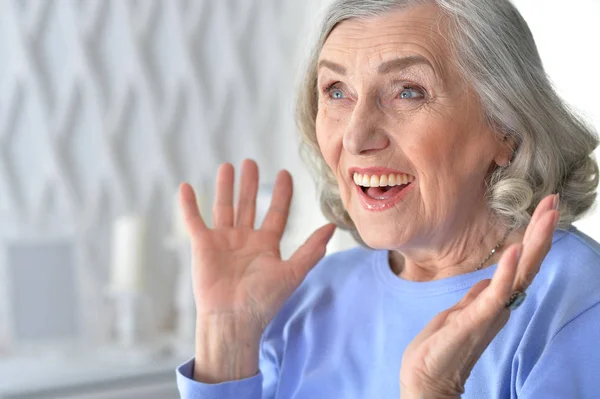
109, 374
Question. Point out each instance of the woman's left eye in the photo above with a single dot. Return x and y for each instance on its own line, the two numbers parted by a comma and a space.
409, 93
336, 94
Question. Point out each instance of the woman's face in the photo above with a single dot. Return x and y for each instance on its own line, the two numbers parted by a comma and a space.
392, 104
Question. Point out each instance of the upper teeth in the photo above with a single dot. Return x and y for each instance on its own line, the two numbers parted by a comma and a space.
392, 179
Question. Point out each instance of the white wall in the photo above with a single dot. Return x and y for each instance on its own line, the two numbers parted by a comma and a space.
568, 38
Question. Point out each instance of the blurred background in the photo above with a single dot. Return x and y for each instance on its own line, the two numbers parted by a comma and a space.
105, 106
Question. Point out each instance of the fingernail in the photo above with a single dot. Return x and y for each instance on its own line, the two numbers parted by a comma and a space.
556, 201
516, 299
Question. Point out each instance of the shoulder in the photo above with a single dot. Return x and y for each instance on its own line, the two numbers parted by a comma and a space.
568, 283
574, 259
559, 321
573, 245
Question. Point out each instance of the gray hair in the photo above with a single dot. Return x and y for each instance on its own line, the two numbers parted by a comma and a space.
492, 46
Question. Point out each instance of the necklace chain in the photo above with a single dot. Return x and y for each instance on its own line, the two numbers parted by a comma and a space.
493, 251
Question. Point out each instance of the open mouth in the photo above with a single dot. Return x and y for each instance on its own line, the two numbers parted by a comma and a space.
378, 192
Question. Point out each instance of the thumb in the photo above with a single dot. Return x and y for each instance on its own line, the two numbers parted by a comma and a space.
310, 253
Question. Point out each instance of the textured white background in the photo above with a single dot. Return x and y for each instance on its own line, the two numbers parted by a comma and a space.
106, 105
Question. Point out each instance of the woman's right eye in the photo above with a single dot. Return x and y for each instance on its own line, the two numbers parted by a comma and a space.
334, 92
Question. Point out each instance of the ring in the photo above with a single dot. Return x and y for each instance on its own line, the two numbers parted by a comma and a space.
516, 299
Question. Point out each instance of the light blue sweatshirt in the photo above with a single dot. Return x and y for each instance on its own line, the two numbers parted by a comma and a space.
342, 334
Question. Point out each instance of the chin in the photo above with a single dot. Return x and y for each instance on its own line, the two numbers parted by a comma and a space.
377, 236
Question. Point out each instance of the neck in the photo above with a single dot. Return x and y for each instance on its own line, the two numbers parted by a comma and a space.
461, 254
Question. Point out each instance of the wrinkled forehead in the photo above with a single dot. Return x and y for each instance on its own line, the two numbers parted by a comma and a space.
364, 43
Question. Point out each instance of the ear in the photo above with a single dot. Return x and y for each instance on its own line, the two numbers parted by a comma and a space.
506, 150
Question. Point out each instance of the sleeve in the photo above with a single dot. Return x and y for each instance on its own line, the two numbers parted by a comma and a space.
261, 386
568, 367
250, 388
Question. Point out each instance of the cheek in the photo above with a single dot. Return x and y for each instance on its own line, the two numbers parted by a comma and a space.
434, 154
329, 138
446, 160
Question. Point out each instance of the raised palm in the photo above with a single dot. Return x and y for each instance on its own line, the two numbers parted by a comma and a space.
237, 270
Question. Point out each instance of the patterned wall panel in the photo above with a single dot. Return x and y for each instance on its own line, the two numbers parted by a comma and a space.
106, 105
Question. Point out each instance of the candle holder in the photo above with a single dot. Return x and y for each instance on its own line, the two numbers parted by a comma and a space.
130, 317
133, 339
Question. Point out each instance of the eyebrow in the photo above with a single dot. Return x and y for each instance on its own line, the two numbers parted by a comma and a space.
386, 67
337, 68
403, 63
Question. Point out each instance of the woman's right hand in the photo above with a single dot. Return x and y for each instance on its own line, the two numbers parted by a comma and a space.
237, 270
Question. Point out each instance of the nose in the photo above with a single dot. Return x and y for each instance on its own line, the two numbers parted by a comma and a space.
364, 133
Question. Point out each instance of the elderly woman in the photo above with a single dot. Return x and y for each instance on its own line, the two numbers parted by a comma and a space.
439, 142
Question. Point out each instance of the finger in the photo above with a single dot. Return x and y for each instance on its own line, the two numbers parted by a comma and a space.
309, 254
535, 250
472, 294
246, 203
223, 206
466, 300
501, 286
189, 210
279, 209
449, 315
544, 206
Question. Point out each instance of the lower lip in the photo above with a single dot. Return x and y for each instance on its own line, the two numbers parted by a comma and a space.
377, 205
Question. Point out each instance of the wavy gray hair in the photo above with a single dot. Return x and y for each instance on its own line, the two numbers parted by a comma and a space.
492, 46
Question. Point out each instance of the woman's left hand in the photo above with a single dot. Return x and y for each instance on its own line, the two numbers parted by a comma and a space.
437, 363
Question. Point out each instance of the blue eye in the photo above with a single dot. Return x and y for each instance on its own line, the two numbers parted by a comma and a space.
336, 94
410, 94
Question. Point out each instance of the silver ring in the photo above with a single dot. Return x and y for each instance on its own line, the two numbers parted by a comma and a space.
515, 300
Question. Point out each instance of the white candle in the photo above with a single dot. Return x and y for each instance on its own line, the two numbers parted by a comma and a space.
128, 254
